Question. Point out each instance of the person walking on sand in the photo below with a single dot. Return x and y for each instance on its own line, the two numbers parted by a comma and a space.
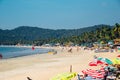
77, 48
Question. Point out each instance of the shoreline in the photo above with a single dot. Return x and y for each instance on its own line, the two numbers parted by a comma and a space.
9, 52
45, 66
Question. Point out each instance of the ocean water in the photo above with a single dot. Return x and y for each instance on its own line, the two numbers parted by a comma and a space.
11, 51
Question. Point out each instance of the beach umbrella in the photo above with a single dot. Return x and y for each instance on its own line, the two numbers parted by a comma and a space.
99, 62
116, 61
96, 63
92, 64
105, 60
64, 76
118, 56
93, 73
102, 70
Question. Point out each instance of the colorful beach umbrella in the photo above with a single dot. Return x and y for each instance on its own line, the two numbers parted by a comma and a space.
92, 64
64, 76
118, 56
94, 73
96, 63
116, 61
105, 60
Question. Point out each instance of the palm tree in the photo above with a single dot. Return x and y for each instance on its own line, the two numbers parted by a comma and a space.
116, 30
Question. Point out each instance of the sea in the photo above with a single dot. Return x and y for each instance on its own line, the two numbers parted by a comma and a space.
13, 51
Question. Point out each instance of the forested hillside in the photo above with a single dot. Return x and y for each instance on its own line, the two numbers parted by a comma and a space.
35, 35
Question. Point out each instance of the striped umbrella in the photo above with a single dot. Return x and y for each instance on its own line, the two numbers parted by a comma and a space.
94, 73
105, 60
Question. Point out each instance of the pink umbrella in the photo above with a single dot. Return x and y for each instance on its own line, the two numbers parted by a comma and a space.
99, 75
102, 70
94, 73
84, 72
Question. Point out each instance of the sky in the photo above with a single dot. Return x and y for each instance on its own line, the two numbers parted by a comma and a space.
58, 14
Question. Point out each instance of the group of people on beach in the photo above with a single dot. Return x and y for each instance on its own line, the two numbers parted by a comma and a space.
111, 72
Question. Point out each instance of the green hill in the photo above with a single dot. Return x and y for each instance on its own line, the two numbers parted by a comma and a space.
29, 34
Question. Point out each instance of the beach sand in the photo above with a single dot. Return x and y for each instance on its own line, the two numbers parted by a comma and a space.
45, 66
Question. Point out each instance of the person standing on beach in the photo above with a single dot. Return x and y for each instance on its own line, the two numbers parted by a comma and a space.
33, 47
62, 49
95, 58
77, 48
1, 56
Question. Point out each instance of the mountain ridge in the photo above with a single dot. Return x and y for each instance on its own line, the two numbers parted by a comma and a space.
29, 33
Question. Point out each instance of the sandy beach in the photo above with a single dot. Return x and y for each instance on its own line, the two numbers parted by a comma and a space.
45, 66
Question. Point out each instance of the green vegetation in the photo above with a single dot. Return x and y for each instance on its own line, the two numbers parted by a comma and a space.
39, 36
104, 33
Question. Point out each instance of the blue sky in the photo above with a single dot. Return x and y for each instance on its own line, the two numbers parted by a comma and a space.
58, 14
